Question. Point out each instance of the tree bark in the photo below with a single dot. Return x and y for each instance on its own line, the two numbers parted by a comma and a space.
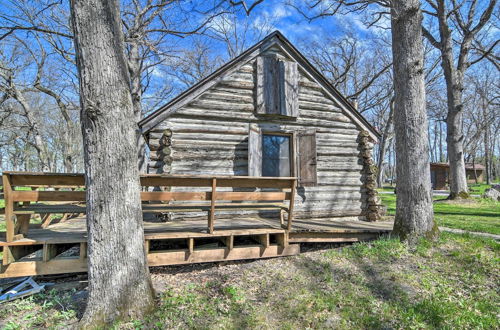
119, 280
414, 213
135, 70
454, 119
486, 141
386, 137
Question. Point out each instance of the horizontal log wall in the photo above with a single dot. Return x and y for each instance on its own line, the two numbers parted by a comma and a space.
210, 136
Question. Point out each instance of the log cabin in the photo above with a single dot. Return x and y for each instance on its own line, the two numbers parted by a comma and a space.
269, 112
256, 159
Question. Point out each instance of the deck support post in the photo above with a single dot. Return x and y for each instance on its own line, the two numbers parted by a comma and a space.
292, 204
211, 217
9, 208
9, 219
49, 252
83, 250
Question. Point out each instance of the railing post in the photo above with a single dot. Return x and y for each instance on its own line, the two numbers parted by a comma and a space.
9, 218
292, 203
211, 217
9, 207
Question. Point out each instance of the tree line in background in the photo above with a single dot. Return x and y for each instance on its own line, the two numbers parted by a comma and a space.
170, 45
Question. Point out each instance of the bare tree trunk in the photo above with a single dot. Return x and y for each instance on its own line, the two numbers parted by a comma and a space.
40, 146
414, 213
454, 141
119, 280
67, 142
441, 154
486, 144
135, 69
468, 29
384, 144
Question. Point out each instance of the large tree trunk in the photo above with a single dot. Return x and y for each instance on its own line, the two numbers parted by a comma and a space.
454, 85
486, 144
119, 281
414, 214
455, 138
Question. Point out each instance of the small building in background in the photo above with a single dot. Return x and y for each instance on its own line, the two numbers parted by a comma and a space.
440, 174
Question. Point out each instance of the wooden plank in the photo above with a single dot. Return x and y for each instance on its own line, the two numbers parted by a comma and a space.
48, 196
47, 179
254, 151
46, 220
9, 215
307, 158
76, 265
22, 224
282, 239
253, 196
218, 233
228, 242
211, 217
291, 205
83, 250
289, 96
263, 240
54, 266
259, 88
190, 245
175, 196
220, 254
49, 252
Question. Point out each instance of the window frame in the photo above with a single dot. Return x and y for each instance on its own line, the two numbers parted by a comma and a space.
292, 145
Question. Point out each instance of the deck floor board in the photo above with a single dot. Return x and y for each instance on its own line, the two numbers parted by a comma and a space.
74, 230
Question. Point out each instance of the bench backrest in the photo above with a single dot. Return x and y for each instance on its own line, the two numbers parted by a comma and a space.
49, 187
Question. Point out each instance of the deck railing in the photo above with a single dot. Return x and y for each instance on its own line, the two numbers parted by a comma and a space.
27, 193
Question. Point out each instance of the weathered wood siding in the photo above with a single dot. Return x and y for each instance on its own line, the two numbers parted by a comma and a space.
210, 136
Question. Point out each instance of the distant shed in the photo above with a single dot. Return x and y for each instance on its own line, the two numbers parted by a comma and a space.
440, 174
269, 112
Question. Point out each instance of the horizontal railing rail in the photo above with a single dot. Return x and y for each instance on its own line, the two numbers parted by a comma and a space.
28, 193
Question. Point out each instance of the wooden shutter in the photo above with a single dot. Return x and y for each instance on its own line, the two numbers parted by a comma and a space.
254, 151
289, 89
307, 158
267, 87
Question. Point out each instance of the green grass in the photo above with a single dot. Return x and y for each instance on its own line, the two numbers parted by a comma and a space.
447, 284
475, 189
478, 189
481, 215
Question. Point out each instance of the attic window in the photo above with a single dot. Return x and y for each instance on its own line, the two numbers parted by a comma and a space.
277, 87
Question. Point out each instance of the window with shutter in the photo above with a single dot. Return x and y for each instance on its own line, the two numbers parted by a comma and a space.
307, 158
277, 87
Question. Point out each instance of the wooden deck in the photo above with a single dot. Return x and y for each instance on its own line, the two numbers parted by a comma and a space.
52, 248
61, 247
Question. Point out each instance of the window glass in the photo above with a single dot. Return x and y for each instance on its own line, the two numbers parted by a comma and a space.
275, 155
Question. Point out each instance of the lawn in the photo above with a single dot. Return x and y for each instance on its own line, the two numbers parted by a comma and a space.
480, 215
475, 189
478, 189
451, 283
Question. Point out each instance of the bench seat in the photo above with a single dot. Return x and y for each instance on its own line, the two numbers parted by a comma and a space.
148, 208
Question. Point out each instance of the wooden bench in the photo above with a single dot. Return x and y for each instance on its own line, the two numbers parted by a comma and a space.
64, 194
